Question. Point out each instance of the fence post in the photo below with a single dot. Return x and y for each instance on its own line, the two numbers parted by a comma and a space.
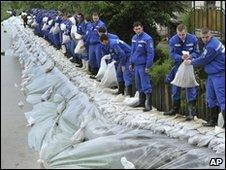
166, 97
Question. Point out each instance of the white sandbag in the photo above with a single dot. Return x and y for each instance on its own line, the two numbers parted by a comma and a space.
103, 67
66, 39
50, 22
185, 77
45, 27
131, 101
57, 98
127, 164
47, 94
109, 79
49, 67
62, 26
45, 19
80, 48
56, 29
78, 137
220, 121
61, 107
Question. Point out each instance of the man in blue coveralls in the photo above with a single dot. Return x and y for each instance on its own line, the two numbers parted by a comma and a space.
94, 44
213, 60
120, 51
141, 59
182, 41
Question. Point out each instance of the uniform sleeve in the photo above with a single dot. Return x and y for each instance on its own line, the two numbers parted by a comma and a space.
207, 56
175, 57
132, 51
195, 52
150, 53
119, 52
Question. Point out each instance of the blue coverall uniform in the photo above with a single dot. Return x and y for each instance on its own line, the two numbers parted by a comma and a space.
176, 46
142, 56
213, 60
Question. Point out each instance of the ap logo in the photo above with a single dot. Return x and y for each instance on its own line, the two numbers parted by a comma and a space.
216, 161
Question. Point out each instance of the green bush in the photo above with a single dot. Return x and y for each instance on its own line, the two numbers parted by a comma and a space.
161, 66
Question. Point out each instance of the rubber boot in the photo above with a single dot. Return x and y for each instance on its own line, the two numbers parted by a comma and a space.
191, 111
129, 91
94, 73
212, 120
121, 88
141, 102
148, 103
175, 110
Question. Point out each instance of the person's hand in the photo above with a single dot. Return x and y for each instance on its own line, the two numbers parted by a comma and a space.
185, 56
187, 62
130, 67
146, 70
123, 69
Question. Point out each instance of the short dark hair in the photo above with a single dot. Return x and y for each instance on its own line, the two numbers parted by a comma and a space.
103, 37
137, 23
205, 30
181, 27
102, 30
95, 13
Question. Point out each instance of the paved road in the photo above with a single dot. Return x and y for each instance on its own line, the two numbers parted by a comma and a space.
15, 153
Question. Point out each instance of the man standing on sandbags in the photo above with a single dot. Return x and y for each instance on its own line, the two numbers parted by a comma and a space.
141, 59
120, 51
182, 41
213, 60
94, 44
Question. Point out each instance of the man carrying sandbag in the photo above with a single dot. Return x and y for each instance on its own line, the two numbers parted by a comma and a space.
120, 51
213, 60
141, 59
182, 41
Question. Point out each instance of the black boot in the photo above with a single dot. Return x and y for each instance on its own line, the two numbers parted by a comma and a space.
212, 120
129, 91
121, 88
94, 73
141, 102
176, 107
148, 103
191, 110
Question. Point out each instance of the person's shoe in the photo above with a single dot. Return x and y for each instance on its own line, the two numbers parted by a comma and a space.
212, 120
121, 89
92, 77
191, 111
141, 102
129, 91
175, 110
148, 103
79, 65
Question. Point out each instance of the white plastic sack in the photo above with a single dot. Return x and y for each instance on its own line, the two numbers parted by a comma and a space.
56, 29
47, 94
103, 67
62, 26
45, 19
185, 77
61, 107
45, 27
78, 137
50, 22
80, 48
109, 79
66, 39
220, 121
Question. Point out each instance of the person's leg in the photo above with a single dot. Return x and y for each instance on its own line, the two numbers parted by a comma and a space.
191, 94
92, 61
175, 91
127, 76
146, 88
141, 102
212, 103
120, 80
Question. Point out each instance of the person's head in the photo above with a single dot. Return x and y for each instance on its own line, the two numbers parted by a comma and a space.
104, 39
205, 35
138, 27
95, 16
181, 31
80, 17
101, 31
